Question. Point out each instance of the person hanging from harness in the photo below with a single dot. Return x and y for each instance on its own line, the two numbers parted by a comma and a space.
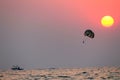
88, 33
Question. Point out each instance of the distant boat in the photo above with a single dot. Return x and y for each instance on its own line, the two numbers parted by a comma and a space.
17, 68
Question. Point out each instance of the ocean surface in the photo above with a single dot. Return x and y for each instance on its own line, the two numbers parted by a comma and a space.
89, 73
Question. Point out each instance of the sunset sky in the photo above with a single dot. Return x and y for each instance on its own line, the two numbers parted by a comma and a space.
49, 33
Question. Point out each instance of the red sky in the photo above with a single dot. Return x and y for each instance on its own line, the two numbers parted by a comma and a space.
95, 9
91, 10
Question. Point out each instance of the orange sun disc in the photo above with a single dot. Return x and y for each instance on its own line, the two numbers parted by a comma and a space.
107, 21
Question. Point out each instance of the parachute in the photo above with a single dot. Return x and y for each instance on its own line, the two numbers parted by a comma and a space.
89, 33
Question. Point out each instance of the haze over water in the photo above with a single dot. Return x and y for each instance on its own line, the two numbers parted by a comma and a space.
43, 34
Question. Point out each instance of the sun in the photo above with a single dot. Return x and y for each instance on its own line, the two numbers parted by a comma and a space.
107, 21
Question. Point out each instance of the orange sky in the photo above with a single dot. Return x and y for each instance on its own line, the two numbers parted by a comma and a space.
88, 10
91, 10
95, 9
